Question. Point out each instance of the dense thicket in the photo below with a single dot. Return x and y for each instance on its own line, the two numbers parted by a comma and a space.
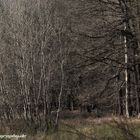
64, 55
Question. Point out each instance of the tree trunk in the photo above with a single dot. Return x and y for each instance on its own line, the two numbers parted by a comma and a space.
126, 74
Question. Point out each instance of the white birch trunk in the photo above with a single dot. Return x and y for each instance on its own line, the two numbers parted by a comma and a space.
126, 75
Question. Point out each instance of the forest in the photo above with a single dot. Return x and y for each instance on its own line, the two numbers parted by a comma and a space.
64, 59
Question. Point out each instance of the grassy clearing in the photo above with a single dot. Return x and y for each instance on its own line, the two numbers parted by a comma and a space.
96, 131
87, 130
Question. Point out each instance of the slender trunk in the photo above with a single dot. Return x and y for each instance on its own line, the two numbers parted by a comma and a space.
126, 75
137, 94
60, 94
136, 76
62, 79
72, 106
120, 102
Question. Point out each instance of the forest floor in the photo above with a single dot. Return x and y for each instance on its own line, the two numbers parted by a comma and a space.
75, 117
105, 128
107, 119
86, 126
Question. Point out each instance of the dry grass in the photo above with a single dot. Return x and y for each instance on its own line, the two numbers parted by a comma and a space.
89, 128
